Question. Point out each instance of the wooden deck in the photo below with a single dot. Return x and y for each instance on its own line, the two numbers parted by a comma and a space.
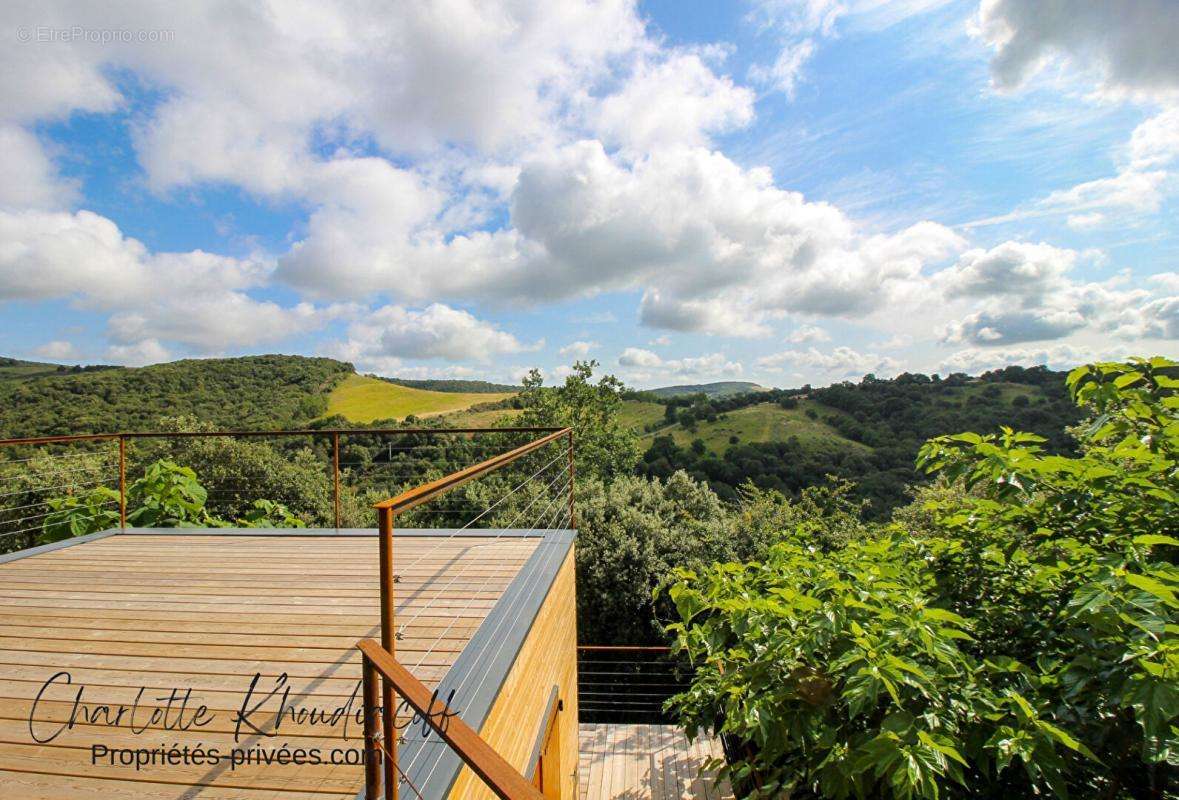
646, 762
138, 616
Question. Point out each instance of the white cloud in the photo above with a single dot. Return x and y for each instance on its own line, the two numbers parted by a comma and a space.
1011, 269
1129, 45
783, 75
679, 100
1124, 49
808, 333
139, 354
1155, 142
638, 357
579, 349
195, 299
57, 350
840, 362
435, 332
1131, 189
651, 364
28, 179
975, 360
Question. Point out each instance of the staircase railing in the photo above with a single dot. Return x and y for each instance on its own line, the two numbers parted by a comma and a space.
499, 776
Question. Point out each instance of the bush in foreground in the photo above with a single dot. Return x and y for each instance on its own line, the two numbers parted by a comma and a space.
1023, 644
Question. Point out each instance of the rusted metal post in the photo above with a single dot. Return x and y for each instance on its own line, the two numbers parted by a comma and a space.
572, 517
389, 643
123, 482
372, 733
336, 474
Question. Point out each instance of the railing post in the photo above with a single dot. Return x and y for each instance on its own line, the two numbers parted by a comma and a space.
372, 734
389, 643
336, 474
572, 518
123, 482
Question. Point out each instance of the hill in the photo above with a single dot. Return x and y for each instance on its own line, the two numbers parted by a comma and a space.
14, 369
364, 399
453, 385
717, 389
253, 392
868, 432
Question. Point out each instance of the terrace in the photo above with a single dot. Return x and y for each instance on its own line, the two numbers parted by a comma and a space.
239, 662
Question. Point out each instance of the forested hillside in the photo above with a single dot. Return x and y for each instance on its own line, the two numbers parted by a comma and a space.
251, 392
867, 432
717, 389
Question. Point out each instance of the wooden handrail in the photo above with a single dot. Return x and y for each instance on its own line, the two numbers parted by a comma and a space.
420, 494
500, 776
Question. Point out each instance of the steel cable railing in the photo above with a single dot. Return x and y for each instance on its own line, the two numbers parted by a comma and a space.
383, 739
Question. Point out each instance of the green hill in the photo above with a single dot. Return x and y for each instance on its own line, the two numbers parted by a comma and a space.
868, 432
253, 392
718, 389
14, 369
764, 422
364, 399
454, 385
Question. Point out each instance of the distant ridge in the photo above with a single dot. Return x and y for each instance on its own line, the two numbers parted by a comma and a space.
717, 389
453, 385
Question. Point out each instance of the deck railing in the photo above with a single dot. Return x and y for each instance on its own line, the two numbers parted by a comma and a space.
37, 470
627, 684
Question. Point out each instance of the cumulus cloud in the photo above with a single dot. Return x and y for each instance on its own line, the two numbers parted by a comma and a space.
678, 100
148, 351
196, 299
651, 364
976, 360
840, 362
1130, 44
1011, 269
1027, 297
57, 350
28, 179
638, 357
579, 349
435, 332
807, 333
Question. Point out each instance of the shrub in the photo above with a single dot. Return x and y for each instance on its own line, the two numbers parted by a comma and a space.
1021, 643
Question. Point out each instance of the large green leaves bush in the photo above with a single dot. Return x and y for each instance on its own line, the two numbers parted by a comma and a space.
166, 496
1021, 643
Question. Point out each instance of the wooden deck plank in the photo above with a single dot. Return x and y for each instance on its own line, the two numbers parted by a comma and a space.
132, 615
641, 762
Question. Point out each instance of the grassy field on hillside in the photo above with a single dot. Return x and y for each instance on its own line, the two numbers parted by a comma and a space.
764, 422
363, 399
637, 414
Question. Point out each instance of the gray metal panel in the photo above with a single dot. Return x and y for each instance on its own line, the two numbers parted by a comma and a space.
49, 548
479, 672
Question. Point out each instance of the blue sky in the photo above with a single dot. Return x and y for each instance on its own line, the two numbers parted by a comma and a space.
785, 191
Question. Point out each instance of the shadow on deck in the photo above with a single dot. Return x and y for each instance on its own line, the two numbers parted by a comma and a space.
646, 762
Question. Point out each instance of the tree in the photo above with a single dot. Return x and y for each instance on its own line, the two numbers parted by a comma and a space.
604, 446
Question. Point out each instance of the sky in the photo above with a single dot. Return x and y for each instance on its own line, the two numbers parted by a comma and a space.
778, 191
